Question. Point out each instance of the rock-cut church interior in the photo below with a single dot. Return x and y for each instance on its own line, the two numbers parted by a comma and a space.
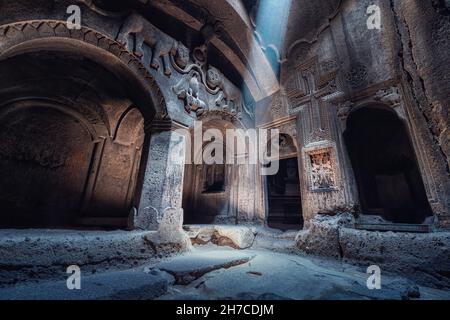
99, 100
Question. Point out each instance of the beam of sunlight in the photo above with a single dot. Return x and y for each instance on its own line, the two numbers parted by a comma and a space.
272, 18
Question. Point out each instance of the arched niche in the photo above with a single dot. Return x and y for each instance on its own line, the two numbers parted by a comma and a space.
385, 166
210, 189
45, 155
71, 138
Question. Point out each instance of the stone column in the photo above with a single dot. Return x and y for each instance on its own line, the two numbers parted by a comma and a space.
162, 189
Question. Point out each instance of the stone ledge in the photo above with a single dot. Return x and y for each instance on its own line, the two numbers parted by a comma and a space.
422, 257
43, 254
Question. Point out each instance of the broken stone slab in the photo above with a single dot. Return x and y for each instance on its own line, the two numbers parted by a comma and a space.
188, 268
237, 237
242, 237
131, 284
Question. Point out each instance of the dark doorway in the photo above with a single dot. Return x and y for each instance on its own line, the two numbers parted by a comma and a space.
385, 166
285, 206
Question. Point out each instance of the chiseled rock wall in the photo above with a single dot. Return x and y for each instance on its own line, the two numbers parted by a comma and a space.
424, 28
425, 258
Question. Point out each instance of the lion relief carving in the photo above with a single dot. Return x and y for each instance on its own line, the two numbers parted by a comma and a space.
229, 98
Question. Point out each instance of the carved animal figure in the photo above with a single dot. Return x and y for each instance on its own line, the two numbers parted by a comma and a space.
144, 32
229, 96
182, 56
188, 90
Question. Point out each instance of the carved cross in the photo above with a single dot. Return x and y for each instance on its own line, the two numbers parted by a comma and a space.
310, 90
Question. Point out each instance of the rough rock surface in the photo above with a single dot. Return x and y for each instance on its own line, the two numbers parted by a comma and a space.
40, 254
322, 236
132, 284
238, 237
213, 272
272, 275
275, 240
424, 258
189, 267
170, 237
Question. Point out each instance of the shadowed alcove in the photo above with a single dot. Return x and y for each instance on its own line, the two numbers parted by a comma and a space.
283, 190
71, 140
385, 166
209, 193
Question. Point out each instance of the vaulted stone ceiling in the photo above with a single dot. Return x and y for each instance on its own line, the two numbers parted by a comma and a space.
238, 41
306, 19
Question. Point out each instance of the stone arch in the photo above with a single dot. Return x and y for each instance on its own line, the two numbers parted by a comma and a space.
108, 192
385, 165
35, 35
127, 132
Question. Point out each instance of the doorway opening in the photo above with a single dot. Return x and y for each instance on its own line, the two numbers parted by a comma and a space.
385, 167
285, 205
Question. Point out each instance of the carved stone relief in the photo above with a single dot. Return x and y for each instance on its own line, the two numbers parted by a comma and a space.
188, 90
357, 75
321, 170
208, 88
321, 162
145, 33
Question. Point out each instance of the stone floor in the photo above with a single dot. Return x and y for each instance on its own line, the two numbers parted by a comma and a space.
213, 272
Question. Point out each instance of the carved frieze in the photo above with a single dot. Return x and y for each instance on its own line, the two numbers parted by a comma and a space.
208, 87
144, 32
188, 90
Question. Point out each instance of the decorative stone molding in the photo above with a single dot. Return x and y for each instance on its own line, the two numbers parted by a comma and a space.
286, 125
12, 35
393, 98
144, 32
390, 96
202, 83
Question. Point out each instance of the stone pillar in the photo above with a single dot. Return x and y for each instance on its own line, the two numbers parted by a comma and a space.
162, 189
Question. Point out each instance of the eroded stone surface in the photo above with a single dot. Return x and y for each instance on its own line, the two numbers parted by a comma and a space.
123, 285
190, 267
39, 254
422, 257
238, 237
281, 276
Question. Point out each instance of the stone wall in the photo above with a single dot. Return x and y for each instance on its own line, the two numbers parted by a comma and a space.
345, 66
